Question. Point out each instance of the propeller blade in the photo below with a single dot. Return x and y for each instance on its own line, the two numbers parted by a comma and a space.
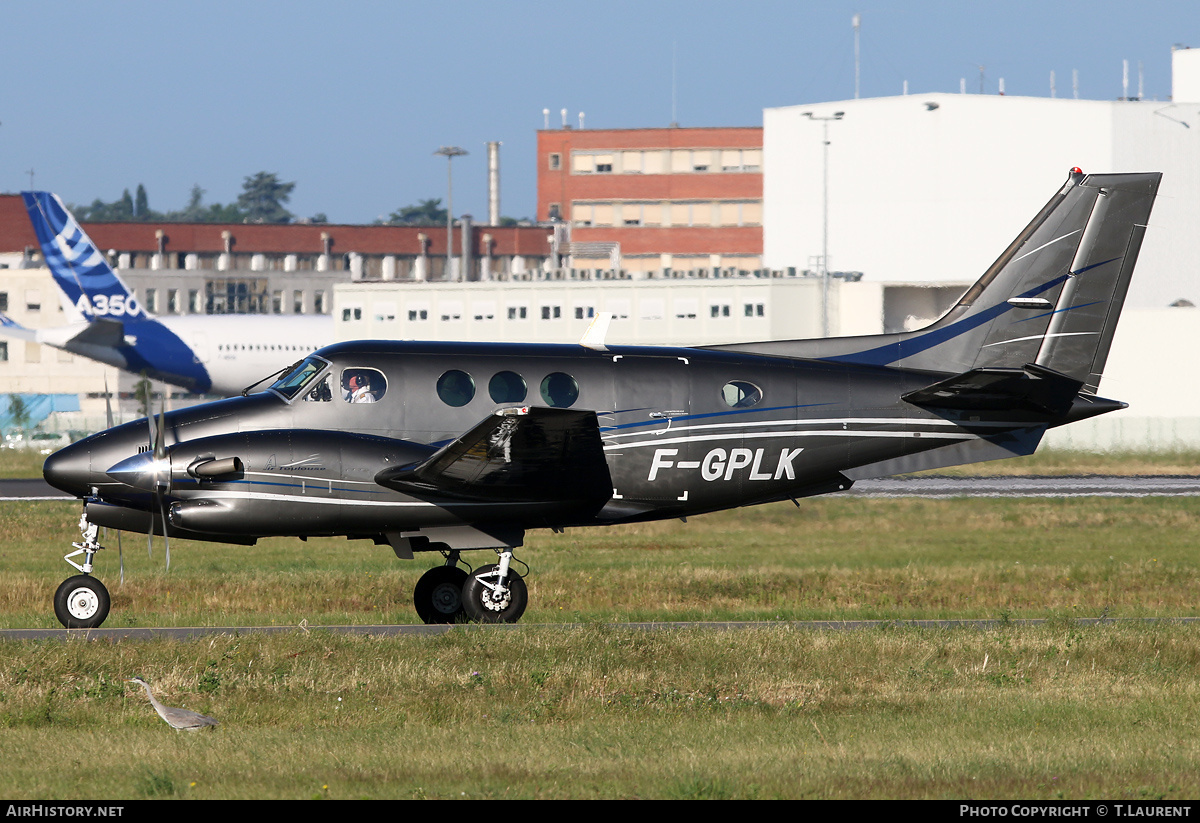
160, 426
166, 537
107, 403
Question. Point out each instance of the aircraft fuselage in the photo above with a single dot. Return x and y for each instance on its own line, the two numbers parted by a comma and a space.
683, 430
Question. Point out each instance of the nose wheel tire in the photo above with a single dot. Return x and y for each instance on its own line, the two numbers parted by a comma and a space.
81, 602
438, 594
483, 603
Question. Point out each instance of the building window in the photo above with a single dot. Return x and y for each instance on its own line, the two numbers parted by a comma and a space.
3, 301
3, 351
551, 312
555, 211
555, 161
351, 313
297, 302
319, 301
173, 301
518, 312
755, 310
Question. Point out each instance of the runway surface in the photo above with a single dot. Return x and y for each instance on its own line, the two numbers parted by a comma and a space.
929, 487
1064, 486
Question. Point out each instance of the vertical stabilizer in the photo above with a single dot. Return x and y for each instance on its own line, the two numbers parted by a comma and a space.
79, 269
1052, 299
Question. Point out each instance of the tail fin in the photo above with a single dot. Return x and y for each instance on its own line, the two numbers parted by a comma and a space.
79, 269
1052, 299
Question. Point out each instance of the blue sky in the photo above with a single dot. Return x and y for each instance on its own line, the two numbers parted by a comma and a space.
350, 100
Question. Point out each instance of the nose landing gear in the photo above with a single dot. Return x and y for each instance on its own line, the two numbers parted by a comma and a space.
82, 601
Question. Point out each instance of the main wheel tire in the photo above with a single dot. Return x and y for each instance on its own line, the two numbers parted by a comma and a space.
81, 602
438, 594
482, 607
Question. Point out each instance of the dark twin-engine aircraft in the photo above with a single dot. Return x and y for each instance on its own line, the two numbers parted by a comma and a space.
448, 447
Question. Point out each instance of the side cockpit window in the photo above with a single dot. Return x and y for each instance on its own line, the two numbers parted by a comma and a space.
360, 385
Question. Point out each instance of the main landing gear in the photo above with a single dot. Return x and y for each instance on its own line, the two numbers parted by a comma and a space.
490, 594
82, 602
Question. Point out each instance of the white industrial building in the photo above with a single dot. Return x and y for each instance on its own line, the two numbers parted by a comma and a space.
930, 189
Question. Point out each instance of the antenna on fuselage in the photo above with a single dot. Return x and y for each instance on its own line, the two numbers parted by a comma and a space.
593, 338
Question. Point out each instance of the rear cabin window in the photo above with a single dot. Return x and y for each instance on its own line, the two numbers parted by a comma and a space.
740, 395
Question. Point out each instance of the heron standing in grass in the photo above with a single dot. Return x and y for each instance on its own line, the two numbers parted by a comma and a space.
176, 718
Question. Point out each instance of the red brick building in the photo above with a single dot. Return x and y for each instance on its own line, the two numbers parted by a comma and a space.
363, 252
649, 199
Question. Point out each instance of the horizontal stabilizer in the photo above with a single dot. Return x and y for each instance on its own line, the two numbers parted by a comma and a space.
1032, 389
102, 332
11, 328
518, 454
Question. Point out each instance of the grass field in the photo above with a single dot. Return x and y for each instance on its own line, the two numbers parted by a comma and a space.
589, 710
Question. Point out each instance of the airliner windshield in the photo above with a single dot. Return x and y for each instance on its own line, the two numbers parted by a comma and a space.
294, 382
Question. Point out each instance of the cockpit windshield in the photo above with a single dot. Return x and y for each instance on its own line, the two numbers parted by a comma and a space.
294, 382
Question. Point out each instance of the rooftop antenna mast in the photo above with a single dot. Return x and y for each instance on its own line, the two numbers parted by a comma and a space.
856, 22
674, 103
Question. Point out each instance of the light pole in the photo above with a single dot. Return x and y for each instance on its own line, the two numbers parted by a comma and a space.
450, 152
837, 115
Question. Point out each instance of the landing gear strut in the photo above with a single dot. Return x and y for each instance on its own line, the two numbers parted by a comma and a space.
495, 593
82, 602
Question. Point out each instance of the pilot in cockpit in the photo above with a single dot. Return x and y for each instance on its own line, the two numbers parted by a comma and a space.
356, 387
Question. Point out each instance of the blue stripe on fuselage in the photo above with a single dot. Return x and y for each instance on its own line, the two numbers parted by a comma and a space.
890, 353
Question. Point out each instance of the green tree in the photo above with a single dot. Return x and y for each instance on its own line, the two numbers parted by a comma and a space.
262, 198
425, 213
18, 410
141, 206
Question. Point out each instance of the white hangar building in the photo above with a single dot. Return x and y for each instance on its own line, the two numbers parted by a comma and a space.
929, 189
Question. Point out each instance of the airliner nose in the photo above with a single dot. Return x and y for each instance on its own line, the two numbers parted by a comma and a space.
69, 469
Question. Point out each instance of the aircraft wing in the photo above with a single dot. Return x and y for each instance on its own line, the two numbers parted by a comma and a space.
516, 454
104, 333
